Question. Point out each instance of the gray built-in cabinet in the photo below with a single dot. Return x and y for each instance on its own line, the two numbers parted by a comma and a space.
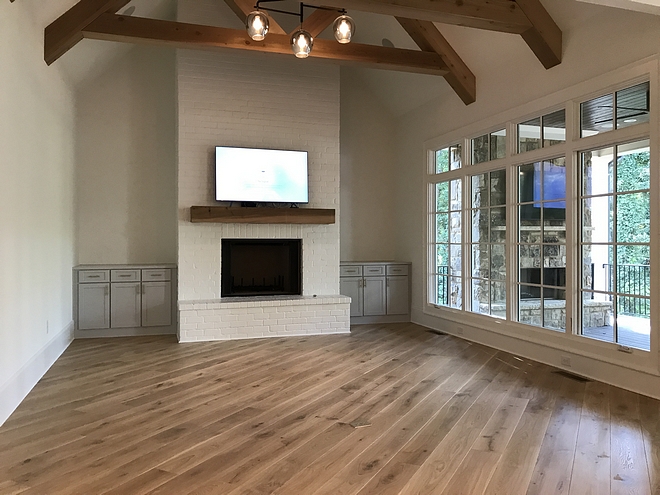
379, 291
124, 300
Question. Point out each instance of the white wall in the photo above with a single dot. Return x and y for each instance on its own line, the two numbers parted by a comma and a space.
36, 205
126, 161
368, 232
596, 40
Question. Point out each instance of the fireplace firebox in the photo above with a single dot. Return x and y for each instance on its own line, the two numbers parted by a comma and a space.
261, 267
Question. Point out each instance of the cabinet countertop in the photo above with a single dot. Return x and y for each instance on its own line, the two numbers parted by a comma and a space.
133, 266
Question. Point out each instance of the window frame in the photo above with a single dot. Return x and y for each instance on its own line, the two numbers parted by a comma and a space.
569, 99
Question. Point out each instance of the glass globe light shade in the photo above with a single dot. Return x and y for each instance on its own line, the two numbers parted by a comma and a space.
344, 28
301, 43
257, 25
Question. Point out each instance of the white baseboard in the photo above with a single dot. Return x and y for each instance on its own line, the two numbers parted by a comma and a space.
125, 332
19, 385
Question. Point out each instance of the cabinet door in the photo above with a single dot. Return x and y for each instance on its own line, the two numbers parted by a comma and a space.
397, 295
352, 287
374, 296
156, 304
125, 305
93, 306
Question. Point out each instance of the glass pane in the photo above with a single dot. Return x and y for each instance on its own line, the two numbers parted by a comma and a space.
633, 170
479, 190
498, 144
480, 296
553, 235
531, 276
455, 259
442, 160
529, 135
498, 187
529, 257
480, 149
554, 277
554, 313
633, 217
554, 255
480, 262
497, 224
455, 160
554, 180
442, 295
554, 128
498, 299
497, 262
597, 115
597, 219
442, 196
480, 225
455, 227
597, 317
442, 258
529, 306
455, 292
442, 227
633, 271
632, 105
456, 200
597, 263
633, 323
598, 171
526, 183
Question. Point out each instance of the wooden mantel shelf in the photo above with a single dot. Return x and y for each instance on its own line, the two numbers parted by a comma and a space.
224, 214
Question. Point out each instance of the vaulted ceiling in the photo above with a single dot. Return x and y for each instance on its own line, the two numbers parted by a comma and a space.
422, 20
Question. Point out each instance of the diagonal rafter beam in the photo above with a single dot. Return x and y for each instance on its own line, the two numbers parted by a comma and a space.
243, 7
429, 39
112, 27
63, 33
544, 37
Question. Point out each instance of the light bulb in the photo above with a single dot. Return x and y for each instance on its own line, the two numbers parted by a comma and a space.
301, 43
344, 28
257, 25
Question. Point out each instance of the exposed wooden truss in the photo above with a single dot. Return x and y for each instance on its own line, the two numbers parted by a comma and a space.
66, 31
429, 39
95, 19
111, 27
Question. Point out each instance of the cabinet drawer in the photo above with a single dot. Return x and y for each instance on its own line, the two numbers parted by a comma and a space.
350, 271
93, 276
371, 270
156, 274
125, 276
397, 269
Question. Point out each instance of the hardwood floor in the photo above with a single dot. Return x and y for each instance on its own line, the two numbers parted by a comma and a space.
390, 409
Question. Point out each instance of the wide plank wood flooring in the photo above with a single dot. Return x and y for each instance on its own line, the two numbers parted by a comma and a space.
390, 409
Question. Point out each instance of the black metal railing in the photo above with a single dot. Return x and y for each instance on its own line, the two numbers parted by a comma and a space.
632, 280
442, 272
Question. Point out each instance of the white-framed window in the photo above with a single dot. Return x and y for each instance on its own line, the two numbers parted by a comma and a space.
545, 222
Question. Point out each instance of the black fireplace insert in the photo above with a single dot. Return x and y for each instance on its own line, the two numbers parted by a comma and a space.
261, 267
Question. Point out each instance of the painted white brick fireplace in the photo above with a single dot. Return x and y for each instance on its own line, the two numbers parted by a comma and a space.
230, 98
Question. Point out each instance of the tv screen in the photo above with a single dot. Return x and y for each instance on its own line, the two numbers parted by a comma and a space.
260, 175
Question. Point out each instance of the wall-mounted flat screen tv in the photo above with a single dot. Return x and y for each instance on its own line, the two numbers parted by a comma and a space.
261, 175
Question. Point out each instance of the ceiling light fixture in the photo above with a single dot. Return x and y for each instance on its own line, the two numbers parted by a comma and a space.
301, 40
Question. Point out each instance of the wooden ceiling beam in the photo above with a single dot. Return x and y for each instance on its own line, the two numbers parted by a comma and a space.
493, 15
112, 27
429, 39
544, 37
318, 20
243, 7
66, 31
